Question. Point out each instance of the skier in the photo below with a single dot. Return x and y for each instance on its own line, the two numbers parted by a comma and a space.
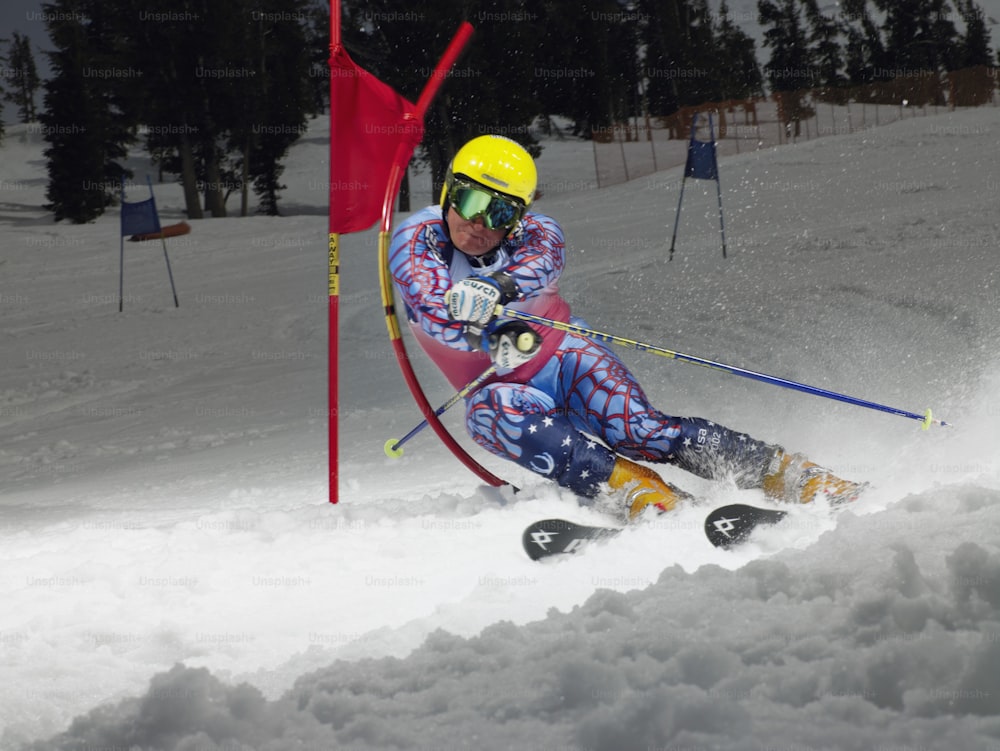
555, 393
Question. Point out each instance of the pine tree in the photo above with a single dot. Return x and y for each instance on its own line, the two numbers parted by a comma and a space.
318, 43
1, 108
178, 48
905, 49
790, 70
739, 73
975, 43
864, 51
283, 96
21, 64
680, 54
661, 41
489, 90
84, 121
826, 50
945, 40
210, 68
625, 67
3, 95
584, 67
790, 67
919, 35
558, 45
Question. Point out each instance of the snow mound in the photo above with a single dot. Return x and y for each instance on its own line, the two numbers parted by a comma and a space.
864, 640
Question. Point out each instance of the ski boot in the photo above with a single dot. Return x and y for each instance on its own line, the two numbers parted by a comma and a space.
795, 479
644, 488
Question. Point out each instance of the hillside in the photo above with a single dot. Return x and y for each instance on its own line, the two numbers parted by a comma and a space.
174, 579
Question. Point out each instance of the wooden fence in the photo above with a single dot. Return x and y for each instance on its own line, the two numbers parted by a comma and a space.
640, 147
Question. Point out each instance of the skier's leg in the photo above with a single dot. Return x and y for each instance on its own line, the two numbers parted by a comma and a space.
526, 424
520, 422
604, 398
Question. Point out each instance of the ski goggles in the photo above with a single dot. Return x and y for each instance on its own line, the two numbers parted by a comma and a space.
472, 201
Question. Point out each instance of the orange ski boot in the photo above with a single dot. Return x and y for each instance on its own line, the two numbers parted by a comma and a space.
795, 479
644, 488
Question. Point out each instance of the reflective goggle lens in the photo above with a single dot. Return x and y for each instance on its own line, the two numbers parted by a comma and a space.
471, 202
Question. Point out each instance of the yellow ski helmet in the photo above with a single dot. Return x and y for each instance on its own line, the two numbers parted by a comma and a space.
497, 163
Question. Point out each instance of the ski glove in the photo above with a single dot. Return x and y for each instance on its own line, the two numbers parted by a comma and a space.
512, 344
474, 300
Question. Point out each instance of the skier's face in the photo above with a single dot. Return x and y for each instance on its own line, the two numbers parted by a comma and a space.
471, 236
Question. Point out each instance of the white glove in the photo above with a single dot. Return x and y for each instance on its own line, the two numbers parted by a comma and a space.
473, 300
512, 344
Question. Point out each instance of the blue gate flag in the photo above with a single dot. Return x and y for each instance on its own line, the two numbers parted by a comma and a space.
701, 165
139, 217
701, 161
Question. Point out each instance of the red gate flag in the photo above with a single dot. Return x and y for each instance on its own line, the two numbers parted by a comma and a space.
373, 133
368, 120
368, 123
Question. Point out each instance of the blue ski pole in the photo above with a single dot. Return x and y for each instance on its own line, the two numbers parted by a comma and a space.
394, 448
926, 419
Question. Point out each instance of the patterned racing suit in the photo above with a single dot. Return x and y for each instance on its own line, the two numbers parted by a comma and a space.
546, 414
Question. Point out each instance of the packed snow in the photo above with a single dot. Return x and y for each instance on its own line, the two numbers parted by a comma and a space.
173, 577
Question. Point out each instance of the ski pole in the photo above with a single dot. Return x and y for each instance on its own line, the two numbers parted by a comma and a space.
394, 448
926, 419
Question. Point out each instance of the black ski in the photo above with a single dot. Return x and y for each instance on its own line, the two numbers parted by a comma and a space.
733, 524
725, 527
558, 536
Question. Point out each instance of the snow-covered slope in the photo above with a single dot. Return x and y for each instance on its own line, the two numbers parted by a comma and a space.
163, 477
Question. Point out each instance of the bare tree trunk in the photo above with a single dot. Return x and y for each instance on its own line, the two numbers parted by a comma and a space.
215, 194
189, 179
245, 192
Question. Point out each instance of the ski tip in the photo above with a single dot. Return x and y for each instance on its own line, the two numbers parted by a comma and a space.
392, 448
730, 525
543, 538
550, 537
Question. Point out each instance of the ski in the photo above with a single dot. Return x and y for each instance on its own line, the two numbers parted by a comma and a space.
551, 537
725, 527
730, 525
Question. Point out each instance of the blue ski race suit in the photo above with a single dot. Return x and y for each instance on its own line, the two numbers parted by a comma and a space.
546, 414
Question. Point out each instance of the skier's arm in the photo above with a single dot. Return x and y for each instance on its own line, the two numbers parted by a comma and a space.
422, 278
539, 257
